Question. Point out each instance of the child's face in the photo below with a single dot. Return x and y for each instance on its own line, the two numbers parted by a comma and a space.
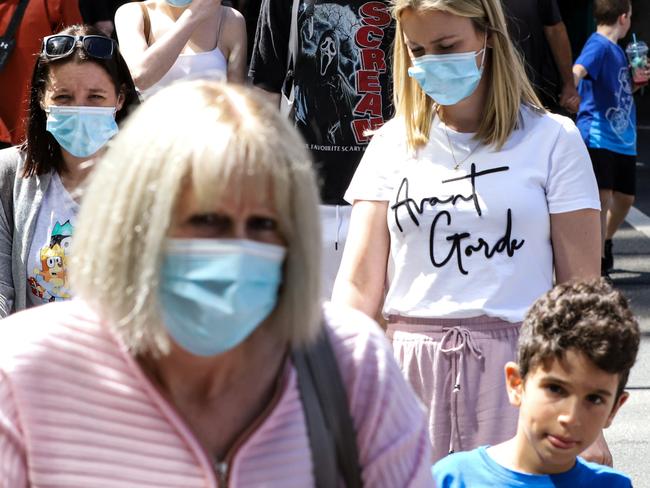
563, 405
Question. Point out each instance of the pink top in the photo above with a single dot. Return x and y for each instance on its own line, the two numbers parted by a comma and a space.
76, 411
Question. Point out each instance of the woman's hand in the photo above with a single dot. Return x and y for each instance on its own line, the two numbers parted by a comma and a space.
204, 9
360, 280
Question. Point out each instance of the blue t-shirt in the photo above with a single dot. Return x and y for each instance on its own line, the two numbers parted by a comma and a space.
476, 469
607, 115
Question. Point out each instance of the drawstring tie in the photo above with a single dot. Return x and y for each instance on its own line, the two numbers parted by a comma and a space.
461, 341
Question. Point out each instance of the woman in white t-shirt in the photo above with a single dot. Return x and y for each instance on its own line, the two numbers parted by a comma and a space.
466, 205
167, 40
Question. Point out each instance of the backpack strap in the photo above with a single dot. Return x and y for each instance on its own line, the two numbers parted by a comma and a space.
7, 40
16, 19
147, 22
332, 436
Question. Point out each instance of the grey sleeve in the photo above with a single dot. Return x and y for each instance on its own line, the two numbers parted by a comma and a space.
9, 160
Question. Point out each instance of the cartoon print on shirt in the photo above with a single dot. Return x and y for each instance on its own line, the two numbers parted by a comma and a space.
338, 94
619, 116
457, 247
50, 282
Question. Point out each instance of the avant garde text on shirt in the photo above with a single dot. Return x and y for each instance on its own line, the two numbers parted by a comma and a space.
505, 243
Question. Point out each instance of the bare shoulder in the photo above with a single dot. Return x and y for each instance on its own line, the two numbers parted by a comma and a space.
129, 20
129, 10
233, 23
231, 14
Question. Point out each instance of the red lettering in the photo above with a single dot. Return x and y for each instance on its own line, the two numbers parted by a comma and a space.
375, 13
367, 81
369, 36
373, 59
360, 126
369, 104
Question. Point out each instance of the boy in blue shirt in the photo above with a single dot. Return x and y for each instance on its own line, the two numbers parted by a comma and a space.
607, 117
577, 345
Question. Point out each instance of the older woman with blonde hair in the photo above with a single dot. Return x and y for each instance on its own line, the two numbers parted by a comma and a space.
466, 205
183, 360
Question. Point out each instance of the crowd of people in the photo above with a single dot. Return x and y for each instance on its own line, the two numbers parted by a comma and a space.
171, 226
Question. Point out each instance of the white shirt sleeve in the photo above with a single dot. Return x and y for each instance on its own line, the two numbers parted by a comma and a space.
571, 184
373, 179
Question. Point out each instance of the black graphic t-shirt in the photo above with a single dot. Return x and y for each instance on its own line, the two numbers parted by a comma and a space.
526, 22
341, 79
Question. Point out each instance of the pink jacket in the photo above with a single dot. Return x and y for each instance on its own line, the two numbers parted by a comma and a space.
76, 411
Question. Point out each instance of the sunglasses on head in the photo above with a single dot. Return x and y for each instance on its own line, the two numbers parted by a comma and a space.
62, 45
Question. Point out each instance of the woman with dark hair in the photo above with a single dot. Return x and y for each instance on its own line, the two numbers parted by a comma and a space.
81, 89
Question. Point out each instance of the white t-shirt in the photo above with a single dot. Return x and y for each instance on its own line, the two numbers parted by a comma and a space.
49, 253
463, 246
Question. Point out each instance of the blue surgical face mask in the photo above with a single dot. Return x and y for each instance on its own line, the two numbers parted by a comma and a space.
179, 3
82, 131
215, 292
448, 78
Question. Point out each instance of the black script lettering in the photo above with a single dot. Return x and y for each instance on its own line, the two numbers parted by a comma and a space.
455, 239
403, 199
504, 244
472, 176
413, 207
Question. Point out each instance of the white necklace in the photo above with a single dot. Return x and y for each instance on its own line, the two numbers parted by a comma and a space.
457, 163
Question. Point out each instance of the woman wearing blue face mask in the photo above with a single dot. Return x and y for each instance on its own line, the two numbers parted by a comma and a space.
168, 40
181, 361
81, 88
467, 206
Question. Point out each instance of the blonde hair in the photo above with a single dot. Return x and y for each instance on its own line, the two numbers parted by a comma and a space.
209, 137
509, 85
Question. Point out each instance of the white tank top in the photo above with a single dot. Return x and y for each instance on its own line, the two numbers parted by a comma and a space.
208, 64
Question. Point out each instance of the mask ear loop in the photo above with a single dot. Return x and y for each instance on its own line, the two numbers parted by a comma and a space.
484, 50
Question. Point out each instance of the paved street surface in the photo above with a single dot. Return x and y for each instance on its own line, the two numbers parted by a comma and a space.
629, 435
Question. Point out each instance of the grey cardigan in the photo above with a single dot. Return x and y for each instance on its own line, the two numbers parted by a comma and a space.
20, 200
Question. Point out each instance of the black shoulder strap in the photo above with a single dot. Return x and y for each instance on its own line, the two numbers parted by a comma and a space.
16, 19
332, 436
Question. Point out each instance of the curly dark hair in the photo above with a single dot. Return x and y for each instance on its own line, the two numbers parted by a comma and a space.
588, 316
607, 12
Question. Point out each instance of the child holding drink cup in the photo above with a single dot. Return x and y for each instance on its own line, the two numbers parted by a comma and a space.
637, 54
607, 115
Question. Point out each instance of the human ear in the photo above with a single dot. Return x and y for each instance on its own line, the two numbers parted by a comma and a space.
619, 403
490, 39
120, 100
514, 383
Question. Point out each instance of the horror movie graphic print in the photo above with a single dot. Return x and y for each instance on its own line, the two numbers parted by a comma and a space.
339, 94
342, 84
340, 77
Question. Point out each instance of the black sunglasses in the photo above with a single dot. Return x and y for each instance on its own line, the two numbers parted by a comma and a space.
62, 45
